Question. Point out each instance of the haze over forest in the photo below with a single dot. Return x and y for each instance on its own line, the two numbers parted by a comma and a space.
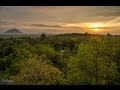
61, 19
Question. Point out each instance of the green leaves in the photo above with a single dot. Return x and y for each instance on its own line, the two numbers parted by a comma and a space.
93, 64
44, 49
64, 59
37, 72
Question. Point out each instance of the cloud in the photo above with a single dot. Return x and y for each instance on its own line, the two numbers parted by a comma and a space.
6, 21
52, 9
65, 14
106, 11
67, 17
114, 20
41, 25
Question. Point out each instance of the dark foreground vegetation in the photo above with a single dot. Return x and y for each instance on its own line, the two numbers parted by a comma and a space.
69, 59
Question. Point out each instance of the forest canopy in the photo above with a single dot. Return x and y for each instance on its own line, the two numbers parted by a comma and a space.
64, 59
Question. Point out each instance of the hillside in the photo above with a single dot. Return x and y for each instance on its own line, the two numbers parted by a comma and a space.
13, 31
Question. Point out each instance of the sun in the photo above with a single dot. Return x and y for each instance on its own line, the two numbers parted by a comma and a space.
96, 27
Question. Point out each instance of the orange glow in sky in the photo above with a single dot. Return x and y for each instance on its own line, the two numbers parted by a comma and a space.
96, 27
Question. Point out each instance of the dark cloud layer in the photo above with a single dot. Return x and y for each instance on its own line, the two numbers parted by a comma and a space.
41, 25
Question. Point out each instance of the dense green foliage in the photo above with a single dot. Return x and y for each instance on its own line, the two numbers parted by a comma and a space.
69, 59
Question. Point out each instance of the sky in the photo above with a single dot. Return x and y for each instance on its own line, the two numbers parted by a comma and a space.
61, 19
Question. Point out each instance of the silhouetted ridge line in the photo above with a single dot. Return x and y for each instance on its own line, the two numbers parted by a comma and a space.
13, 31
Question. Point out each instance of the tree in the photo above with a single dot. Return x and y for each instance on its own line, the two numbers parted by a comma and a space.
108, 34
92, 65
57, 46
86, 33
43, 36
45, 49
37, 71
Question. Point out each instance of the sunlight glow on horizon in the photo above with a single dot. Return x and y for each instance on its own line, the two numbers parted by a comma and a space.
96, 27
89, 26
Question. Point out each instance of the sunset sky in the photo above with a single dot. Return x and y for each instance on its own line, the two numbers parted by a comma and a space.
61, 19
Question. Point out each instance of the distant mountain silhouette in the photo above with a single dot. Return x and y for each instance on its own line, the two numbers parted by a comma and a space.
13, 31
